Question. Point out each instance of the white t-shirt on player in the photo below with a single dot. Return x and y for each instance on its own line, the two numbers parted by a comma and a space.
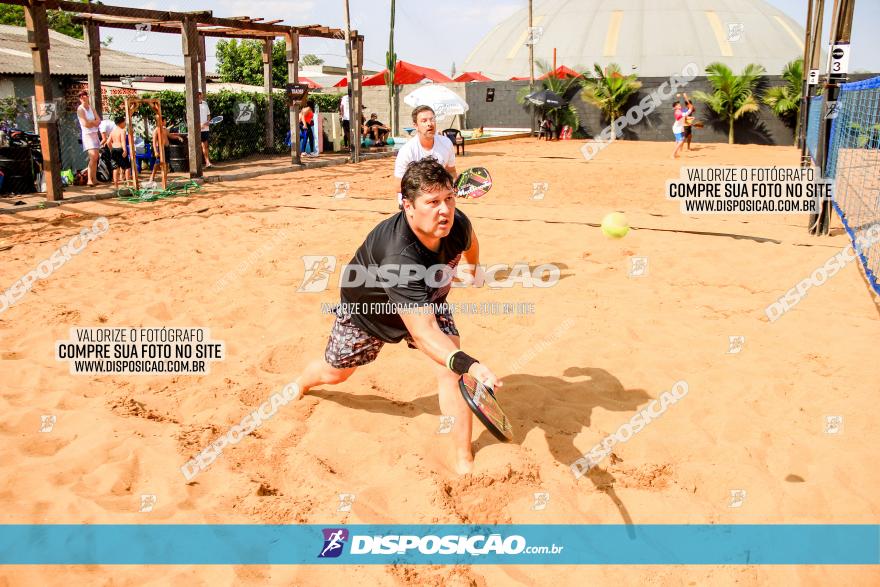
106, 126
443, 151
346, 114
205, 115
678, 125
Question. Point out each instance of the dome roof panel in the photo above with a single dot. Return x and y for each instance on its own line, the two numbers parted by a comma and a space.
652, 38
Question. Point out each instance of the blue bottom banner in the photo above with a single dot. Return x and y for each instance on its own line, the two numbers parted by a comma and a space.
640, 544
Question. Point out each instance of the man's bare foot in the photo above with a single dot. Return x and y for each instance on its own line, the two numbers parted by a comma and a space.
464, 465
298, 392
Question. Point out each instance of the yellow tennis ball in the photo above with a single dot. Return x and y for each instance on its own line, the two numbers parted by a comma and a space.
614, 225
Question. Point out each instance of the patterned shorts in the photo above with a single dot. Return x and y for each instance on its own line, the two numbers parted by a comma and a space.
349, 346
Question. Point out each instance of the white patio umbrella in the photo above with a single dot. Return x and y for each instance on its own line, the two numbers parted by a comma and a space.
441, 99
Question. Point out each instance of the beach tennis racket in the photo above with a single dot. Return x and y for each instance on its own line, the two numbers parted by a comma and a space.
483, 404
473, 183
216, 120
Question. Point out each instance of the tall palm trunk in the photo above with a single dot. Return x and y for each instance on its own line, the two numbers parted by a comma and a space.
391, 64
730, 128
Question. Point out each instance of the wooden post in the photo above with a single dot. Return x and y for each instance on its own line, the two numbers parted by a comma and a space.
354, 124
267, 87
203, 81
93, 41
815, 56
805, 74
131, 104
811, 61
360, 81
160, 123
38, 37
532, 67
292, 42
190, 41
841, 30
357, 60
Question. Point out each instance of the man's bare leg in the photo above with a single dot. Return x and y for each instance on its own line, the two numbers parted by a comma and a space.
453, 404
318, 372
205, 154
677, 150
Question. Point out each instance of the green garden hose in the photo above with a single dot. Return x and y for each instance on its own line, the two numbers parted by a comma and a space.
152, 194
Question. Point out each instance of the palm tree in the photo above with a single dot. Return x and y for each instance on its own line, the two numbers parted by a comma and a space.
785, 101
733, 96
610, 90
565, 115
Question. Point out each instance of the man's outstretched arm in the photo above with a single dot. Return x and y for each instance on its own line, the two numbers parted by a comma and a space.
470, 259
438, 346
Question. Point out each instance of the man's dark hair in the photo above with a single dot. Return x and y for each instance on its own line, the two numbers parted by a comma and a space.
424, 175
118, 119
419, 110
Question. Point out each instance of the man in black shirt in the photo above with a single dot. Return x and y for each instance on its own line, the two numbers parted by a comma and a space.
375, 129
395, 289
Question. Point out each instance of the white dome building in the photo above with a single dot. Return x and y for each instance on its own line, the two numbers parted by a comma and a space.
651, 38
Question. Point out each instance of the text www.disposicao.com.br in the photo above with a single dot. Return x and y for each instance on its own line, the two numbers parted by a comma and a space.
140, 366
793, 206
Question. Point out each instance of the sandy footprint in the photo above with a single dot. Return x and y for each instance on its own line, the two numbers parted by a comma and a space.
159, 311
280, 359
483, 497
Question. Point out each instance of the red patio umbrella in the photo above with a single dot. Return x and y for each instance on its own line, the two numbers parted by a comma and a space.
472, 76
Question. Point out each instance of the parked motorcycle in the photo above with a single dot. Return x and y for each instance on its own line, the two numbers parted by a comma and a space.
21, 162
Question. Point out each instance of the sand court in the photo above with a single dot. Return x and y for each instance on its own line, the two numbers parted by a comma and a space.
579, 360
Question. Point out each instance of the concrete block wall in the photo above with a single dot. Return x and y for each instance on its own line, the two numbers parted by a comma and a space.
376, 100
765, 128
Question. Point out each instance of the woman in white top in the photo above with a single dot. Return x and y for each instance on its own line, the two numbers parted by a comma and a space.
91, 137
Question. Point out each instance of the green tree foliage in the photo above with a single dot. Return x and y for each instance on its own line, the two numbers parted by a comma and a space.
58, 20
241, 62
230, 140
326, 102
11, 108
565, 115
785, 100
733, 96
610, 90
309, 59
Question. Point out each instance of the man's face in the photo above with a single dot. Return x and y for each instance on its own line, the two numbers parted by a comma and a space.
426, 124
433, 212
374, 116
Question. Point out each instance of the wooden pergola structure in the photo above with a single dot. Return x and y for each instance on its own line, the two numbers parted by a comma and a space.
193, 27
131, 107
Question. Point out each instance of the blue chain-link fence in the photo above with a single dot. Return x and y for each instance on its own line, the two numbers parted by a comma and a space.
854, 162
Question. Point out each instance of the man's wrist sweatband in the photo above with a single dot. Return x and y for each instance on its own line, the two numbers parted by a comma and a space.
460, 362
